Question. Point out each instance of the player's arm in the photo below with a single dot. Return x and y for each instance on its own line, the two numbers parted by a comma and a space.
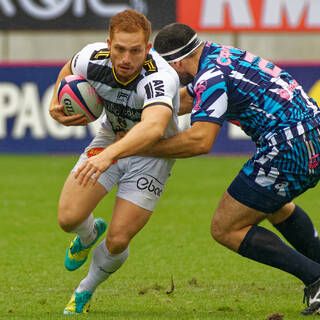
148, 131
144, 134
197, 140
56, 110
200, 138
186, 101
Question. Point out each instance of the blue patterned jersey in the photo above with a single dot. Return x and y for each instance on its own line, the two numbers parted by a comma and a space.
264, 100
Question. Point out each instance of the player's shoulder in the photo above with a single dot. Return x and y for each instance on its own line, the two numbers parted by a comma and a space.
91, 53
210, 74
158, 79
96, 51
156, 67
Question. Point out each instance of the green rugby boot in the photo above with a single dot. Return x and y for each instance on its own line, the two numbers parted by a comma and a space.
77, 253
79, 303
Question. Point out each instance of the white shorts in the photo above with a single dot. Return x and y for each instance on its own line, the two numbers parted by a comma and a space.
140, 180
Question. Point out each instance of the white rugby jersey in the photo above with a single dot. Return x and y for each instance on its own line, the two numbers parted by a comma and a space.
157, 84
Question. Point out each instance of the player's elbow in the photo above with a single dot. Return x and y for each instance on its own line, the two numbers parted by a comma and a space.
206, 147
203, 147
201, 143
157, 131
160, 132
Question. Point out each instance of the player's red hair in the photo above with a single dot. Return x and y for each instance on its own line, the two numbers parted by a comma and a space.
130, 21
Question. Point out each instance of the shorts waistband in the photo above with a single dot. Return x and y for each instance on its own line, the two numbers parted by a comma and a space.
292, 132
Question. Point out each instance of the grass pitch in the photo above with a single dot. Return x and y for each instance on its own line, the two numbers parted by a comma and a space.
210, 282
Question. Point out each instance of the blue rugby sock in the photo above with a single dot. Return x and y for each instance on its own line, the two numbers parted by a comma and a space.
301, 234
266, 247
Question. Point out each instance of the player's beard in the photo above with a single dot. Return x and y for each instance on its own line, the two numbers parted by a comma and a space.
185, 78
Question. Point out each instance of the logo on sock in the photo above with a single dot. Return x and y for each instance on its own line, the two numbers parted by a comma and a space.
107, 272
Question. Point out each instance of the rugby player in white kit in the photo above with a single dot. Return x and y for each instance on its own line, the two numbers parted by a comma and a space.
140, 92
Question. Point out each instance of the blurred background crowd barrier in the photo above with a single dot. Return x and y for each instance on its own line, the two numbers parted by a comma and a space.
38, 36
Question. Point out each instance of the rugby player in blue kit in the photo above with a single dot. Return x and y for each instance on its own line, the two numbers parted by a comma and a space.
226, 83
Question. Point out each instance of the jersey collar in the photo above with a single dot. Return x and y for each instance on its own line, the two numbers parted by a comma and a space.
121, 82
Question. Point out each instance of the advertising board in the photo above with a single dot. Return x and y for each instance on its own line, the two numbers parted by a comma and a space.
250, 15
78, 14
26, 126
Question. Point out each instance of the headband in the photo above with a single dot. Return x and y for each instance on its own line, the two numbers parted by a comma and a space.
180, 53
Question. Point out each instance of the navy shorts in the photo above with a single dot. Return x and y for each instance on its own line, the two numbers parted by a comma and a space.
277, 174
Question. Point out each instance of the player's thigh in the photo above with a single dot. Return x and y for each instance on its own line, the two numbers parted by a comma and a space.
77, 202
282, 214
232, 221
232, 215
139, 191
127, 220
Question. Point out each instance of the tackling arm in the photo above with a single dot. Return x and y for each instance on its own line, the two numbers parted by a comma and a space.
197, 140
143, 135
186, 101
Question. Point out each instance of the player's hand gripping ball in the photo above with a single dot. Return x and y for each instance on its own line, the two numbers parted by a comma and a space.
78, 97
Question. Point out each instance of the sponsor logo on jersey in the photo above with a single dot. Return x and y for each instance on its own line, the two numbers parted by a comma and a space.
120, 110
122, 97
94, 151
122, 122
150, 65
154, 88
198, 90
150, 184
100, 54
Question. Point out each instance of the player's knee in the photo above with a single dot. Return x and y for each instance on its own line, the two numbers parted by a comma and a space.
117, 243
67, 218
66, 223
218, 232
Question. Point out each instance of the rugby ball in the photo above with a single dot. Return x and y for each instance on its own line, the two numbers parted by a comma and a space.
78, 97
